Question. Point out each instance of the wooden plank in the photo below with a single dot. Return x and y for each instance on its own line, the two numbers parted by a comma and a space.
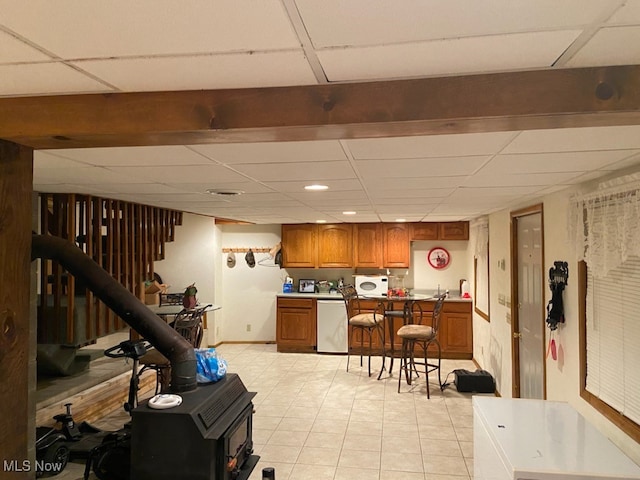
550, 98
96, 233
109, 260
17, 436
70, 231
89, 325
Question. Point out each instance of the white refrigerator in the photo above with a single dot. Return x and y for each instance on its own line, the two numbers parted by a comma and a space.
332, 326
541, 440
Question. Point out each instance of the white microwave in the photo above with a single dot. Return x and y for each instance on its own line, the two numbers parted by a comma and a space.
374, 285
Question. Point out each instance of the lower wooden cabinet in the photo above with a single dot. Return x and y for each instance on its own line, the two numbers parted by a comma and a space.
455, 332
296, 321
296, 324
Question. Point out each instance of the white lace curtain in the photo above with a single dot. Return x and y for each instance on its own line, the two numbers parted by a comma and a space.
481, 227
604, 226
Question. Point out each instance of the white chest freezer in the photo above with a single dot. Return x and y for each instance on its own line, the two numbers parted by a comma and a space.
541, 440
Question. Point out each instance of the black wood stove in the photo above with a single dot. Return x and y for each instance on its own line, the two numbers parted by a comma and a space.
207, 437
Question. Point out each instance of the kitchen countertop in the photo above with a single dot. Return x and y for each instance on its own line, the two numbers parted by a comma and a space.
318, 296
337, 296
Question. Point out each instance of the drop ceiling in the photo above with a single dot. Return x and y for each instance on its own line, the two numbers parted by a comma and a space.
70, 47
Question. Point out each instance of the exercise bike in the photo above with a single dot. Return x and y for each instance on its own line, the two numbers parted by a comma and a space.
107, 452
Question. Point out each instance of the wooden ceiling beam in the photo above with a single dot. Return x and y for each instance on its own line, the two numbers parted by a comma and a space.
554, 98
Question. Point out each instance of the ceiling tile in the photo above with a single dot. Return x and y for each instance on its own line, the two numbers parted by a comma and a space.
286, 171
42, 159
246, 187
272, 152
473, 193
424, 194
80, 175
133, 156
322, 197
182, 174
428, 146
241, 70
531, 179
576, 140
446, 57
49, 78
148, 27
605, 48
136, 188
628, 14
381, 183
554, 162
331, 22
420, 167
335, 185
14, 50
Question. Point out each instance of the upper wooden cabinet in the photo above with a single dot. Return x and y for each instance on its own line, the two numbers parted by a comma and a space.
424, 231
396, 250
335, 245
453, 231
440, 231
367, 245
300, 245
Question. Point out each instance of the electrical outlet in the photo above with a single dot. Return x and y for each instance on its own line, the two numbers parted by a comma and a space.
248, 327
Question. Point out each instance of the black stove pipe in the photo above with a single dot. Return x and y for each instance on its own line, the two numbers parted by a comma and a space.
126, 305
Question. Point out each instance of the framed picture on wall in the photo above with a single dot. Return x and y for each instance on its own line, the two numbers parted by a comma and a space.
307, 286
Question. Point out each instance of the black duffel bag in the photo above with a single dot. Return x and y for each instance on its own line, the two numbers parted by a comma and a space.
479, 381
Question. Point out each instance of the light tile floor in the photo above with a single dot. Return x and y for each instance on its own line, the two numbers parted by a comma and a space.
316, 421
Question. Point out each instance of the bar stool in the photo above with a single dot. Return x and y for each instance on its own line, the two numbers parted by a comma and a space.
365, 321
417, 334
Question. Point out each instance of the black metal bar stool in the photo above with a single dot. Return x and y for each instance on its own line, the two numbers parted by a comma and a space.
417, 334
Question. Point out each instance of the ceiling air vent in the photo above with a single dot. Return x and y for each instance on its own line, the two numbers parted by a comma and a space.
224, 193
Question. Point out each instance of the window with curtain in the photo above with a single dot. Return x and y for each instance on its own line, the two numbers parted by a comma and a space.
605, 226
481, 268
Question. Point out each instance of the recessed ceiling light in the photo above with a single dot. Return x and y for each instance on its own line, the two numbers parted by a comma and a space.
321, 221
224, 192
401, 219
349, 213
316, 187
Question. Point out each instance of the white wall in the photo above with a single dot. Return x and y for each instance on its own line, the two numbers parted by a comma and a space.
562, 375
190, 258
249, 294
424, 277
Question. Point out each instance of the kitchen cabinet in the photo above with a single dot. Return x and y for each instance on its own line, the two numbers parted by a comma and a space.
335, 245
455, 330
440, 231
296, 324
396, 247
453, 231
300, 245
425, 231
367, 245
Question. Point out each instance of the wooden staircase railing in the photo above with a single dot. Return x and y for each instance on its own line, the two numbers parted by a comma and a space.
124, 238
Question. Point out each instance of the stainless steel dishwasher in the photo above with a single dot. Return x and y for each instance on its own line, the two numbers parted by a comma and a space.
332, 326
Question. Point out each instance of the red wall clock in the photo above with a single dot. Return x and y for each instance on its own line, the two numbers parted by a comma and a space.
438, 257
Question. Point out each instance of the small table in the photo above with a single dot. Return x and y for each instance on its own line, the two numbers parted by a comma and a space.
407, 306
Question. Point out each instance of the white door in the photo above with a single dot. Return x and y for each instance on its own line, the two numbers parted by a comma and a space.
528, 322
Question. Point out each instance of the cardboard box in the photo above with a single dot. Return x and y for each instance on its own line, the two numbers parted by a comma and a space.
152, 292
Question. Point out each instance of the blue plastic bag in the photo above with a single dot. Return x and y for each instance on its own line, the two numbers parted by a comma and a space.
210, 367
